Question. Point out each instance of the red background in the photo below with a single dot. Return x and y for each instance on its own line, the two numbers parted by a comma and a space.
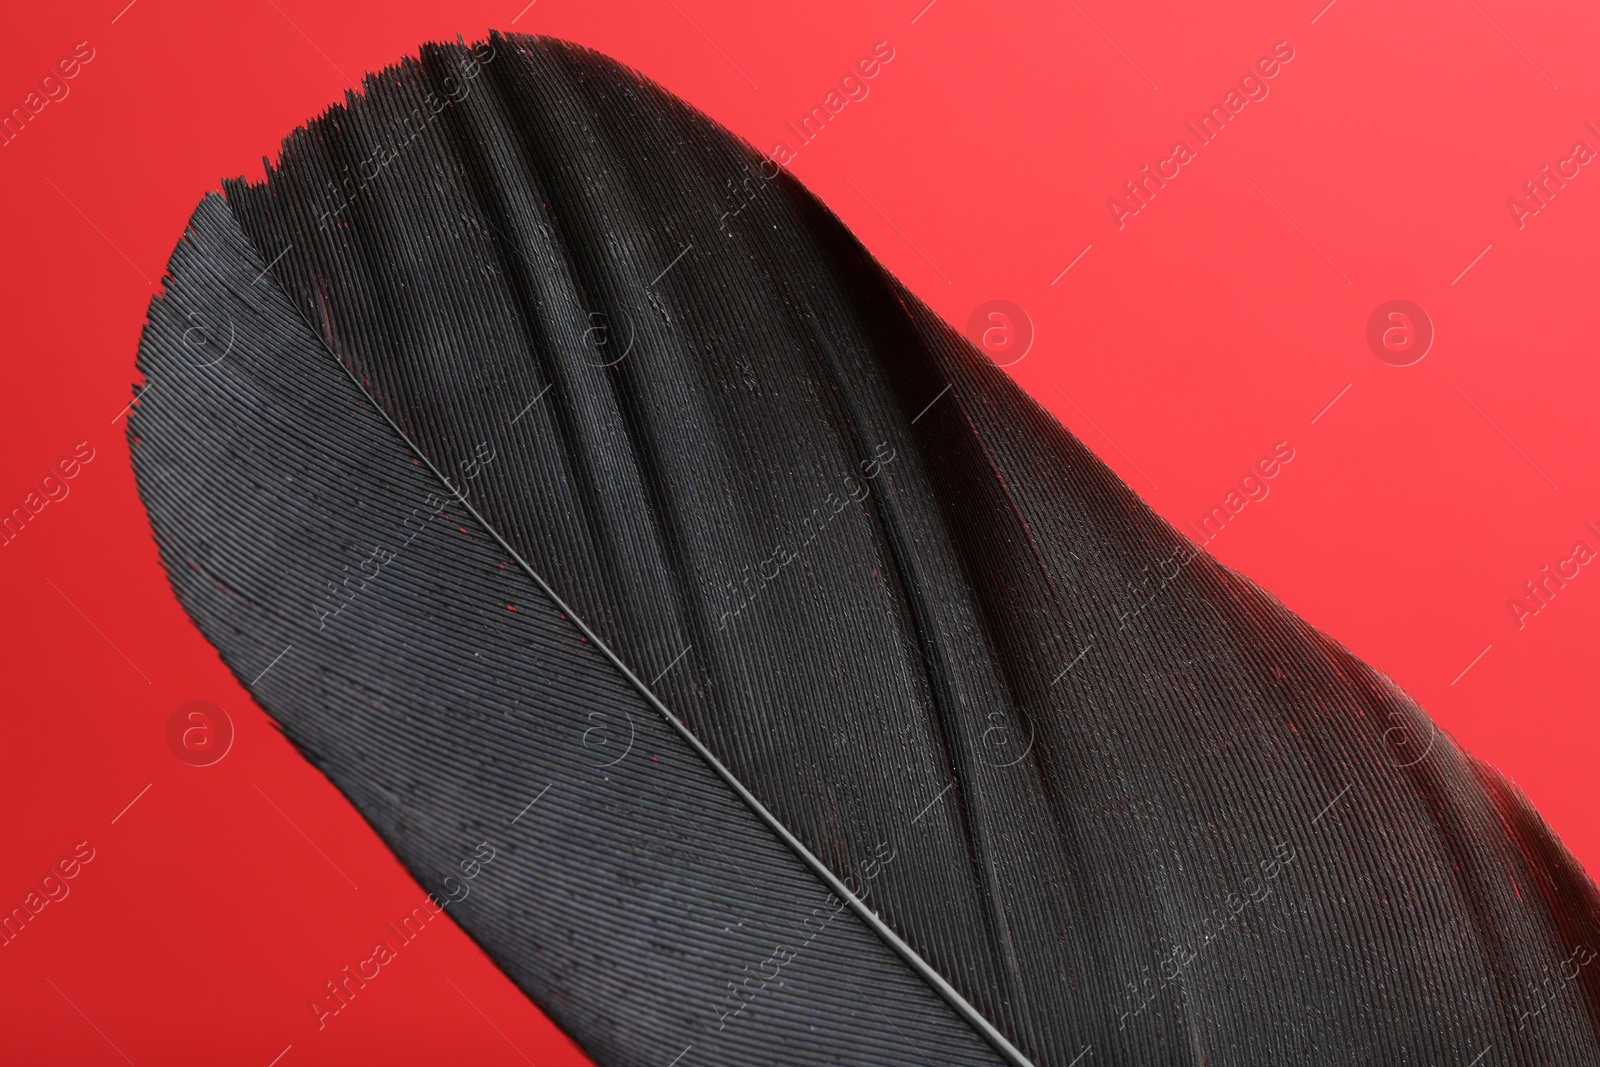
1221, 319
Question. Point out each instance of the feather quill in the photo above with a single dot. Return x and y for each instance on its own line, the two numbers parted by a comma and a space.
820, 698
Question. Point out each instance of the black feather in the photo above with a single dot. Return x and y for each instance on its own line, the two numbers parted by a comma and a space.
880, 722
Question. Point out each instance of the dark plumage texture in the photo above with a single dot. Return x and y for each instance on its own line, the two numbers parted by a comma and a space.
720, 464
